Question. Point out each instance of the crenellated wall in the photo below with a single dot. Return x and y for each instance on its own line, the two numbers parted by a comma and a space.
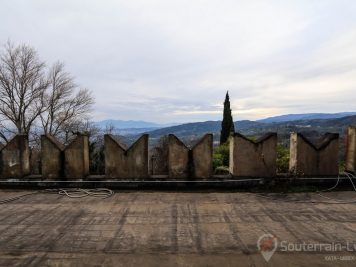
248, 158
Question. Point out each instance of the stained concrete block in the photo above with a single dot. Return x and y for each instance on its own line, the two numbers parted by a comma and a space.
203, 157
350, 164
121, 162
250, 158
76, 155
35, 161
15, 158
307, 159
178, 158
52, 158
184, 162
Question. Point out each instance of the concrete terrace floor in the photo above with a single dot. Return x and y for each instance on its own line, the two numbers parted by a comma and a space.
170, 229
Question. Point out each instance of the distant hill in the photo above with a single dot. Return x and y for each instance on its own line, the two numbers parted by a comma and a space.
131, 124
190, 132
326, 125
201, 128
311, 128
306, 116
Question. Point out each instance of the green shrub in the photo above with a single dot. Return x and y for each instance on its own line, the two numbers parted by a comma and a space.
282, 159
221, 170
221, 156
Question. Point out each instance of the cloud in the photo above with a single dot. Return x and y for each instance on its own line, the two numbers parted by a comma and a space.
170, 61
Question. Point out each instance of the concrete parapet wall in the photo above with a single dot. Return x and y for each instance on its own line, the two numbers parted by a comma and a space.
15, 158
247, 158
121, 162
184, 162
250, 158
307, 159
350, 162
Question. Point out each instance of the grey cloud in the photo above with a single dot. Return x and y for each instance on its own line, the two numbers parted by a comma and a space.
159, 61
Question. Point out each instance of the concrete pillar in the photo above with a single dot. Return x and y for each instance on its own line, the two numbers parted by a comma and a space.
350, 164
250, 158
203, 157
15, 158
123, 163
52, 158
76, 154
184, 162
307, 159
178, 158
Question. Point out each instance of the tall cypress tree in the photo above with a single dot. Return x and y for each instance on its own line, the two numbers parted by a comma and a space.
227, 124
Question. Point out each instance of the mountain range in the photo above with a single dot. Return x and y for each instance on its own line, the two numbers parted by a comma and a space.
306, 116
310, 128
311, 125
131, 124
142, 126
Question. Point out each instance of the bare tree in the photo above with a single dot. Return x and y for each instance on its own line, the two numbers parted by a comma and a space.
28, 95
110, 128
22, 86
67, 106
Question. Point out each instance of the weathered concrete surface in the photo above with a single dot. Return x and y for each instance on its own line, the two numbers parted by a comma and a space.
178, 158
250, 158
307, 159
76, 155
121, 162
52, 156
15, 158
203, 157
171, 229
184, 162
350, 162
35, 161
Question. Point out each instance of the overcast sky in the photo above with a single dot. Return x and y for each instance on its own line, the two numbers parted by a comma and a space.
172, 61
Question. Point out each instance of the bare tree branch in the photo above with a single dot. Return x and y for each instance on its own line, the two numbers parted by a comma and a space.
22, 85
28, 95
66, 104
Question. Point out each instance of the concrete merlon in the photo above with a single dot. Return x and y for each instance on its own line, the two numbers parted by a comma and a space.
126, 163
350, 164
203, 157
322, 143
184, 162
109, 138
260, 140
178, 158
249, 158
54, 141
15, 157
52, 157
308, 159
76, 154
